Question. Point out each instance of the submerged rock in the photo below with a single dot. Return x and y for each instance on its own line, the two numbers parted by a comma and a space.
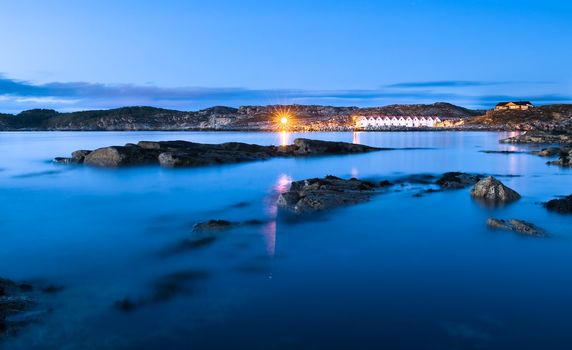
560, 205
455, 180
518, 226
221, 225
213, 225
491, 189
190, 154
14, 302
319, 194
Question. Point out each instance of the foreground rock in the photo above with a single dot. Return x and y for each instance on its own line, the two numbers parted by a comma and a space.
14, 301
560, 205
190, 154
456, 180
317, 194
492, 190
518, 226
535, 136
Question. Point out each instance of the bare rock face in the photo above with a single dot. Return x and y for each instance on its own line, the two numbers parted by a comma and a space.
492, 190
317, 194
455, 180
560, 205
518, 226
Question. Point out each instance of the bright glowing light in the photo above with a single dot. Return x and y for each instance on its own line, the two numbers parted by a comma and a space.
284, 120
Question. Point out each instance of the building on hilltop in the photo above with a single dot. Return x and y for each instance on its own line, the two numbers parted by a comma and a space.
520, 105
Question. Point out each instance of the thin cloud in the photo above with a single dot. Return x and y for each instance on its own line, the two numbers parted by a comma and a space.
17, 95
445, 83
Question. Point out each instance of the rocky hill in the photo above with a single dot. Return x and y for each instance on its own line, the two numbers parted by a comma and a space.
547, 118
313, 117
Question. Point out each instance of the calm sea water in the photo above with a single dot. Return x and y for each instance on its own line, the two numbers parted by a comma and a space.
398, 272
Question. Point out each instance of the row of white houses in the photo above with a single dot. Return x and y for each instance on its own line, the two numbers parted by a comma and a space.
389, 121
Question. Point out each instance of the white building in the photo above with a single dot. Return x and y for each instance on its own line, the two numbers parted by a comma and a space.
375, 122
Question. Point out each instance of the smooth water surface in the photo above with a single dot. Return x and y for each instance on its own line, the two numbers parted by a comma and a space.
398, 272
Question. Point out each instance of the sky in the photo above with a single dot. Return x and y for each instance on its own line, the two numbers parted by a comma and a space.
73, 55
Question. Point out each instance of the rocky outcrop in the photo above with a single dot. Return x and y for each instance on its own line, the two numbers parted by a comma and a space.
320, 194
318, 147
547, 152
492, 190
536, 136
190, 154
560, 205
456, 180
564, 160
518, 226
548, 118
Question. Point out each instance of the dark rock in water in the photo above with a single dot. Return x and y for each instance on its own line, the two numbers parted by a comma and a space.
221, 225
455, 180
76, 158
126, 305
424, 179
190, 154
565, 159
518, 226
492, 190
213, 225
14, 302
317, 147
384, 183
536, 136
500, 152
547, 152
117, 156
321, 194
560, 205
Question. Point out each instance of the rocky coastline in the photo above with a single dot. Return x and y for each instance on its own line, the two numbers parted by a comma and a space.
550, 118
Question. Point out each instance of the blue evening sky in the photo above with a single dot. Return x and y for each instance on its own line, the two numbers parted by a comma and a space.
69, 54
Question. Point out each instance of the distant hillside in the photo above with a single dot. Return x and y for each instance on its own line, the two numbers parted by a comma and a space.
549, 118
245, 117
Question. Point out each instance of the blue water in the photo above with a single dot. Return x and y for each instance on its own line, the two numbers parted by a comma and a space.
398, 272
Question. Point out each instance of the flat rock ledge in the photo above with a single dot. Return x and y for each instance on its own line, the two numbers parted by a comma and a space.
319, 194
518, 226
490, 189
190, 154
560, 205
535, 136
